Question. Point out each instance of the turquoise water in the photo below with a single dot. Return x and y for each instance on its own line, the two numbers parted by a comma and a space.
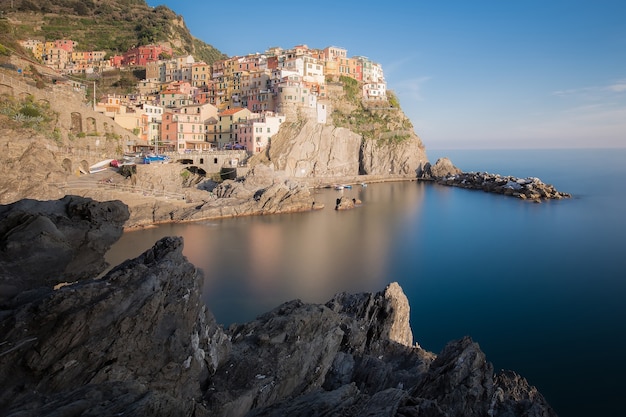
541, 287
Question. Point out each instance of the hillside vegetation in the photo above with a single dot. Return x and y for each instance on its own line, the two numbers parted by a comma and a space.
381, 121
110, 25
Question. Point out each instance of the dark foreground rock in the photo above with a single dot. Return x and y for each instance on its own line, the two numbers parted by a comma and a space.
139, 341
445, 173
43, 243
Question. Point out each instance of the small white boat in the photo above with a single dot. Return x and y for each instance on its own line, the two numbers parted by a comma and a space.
100, 166
338, 187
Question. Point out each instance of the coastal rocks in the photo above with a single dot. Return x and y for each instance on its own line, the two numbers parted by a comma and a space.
524, 188
354, 356
44, 243
264, 191
345, 203
445, 173
318, 354
442, 168
140, 339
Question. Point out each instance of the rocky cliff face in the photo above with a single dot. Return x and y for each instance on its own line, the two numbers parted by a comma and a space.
406, 157
359, 138
139, 341
310, 149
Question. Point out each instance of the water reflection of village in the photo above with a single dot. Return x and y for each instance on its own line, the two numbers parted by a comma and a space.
253, 264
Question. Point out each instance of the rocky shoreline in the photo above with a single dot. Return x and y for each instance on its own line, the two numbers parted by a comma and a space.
140, 341
525, 188
531, 188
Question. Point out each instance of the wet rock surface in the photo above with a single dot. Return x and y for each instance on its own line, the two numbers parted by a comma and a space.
140, 341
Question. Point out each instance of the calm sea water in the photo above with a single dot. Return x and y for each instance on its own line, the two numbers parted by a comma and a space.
541, 287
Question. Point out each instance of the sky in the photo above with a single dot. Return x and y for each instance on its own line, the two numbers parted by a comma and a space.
469, 74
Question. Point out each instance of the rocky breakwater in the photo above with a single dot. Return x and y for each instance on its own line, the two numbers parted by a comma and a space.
445, 173
139, 341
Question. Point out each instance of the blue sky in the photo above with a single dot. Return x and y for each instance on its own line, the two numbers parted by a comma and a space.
469, 74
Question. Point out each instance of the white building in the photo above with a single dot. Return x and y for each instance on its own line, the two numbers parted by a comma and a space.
375, 91
256, 133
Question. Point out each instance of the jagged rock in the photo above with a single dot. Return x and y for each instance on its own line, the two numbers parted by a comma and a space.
389, 311
266, 194
345, 203
298, 348
44, 243
460, 382
445, 173
442, 168
138, 339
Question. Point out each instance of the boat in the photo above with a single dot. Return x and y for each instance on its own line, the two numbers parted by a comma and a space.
338, 187
348, 186
155, 159
363, 184
100, 166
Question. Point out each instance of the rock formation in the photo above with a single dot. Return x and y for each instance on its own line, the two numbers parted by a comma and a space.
345, 203
442, 168
393, 158
524, 188
139, 341
311, 149
306, 149
445, 173
74, 233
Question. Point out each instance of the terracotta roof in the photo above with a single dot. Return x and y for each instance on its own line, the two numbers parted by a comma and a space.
229, 112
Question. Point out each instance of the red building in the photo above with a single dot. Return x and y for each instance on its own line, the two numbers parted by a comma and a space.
141, 55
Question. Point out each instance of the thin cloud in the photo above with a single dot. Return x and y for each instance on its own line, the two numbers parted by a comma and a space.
618, 87
412, 87
592, 92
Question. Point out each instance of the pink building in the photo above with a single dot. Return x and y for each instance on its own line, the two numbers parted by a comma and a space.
65, 44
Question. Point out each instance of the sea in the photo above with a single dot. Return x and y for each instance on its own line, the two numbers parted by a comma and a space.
541, 287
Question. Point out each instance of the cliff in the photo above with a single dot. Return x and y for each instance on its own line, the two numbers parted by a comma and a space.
140, 341
360, 138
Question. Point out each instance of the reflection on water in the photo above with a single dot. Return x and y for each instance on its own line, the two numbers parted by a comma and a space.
538, 286
254, 264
